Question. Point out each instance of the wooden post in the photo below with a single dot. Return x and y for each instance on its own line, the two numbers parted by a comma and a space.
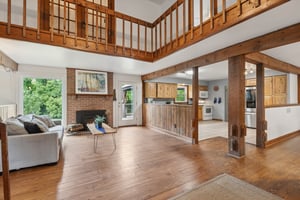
236, 113
195, 105
5, 163
261, 135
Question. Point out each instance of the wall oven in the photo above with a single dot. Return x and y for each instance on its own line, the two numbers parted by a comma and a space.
250, 101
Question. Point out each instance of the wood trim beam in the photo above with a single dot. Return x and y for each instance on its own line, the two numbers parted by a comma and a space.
274, 39
5, 162
272, 63
7, 62
261, 135
195, 105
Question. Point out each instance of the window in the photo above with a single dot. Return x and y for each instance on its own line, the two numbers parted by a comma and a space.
42, 97
181, 96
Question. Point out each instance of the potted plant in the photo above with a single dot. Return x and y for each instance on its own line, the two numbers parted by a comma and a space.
98, 121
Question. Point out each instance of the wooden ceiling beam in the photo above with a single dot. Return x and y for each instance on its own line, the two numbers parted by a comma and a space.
274, 39
8, 63
273, 63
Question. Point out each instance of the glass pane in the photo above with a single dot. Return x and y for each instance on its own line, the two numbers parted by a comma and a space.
127, 102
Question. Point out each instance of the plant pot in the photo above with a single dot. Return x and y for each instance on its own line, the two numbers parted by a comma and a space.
98, 124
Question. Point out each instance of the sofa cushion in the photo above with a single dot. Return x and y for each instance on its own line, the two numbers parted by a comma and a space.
41, 125
15, 127
46, 119
32, 127
25, 118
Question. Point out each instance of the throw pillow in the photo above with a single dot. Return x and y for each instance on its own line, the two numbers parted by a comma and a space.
46, 119
32, 127
15, 127
25, 118
43, 127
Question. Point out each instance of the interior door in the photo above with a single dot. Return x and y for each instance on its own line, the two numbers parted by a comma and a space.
127, 103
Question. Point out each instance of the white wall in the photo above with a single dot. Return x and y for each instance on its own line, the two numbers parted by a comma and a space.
282, 120
7, 87
130, 79
144, 10
292, 85
218, 108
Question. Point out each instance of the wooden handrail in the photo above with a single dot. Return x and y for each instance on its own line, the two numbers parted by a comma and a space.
5, 165
124, 43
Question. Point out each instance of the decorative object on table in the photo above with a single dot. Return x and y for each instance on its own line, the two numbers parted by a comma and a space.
90, 82
99, 120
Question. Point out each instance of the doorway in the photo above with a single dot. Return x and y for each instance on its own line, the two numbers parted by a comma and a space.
127, 104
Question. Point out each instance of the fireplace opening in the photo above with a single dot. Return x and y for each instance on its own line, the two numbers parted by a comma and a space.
88, 116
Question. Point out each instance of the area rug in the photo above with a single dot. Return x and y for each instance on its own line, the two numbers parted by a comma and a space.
226, 187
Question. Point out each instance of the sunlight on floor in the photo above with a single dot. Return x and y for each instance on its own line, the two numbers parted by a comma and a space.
213, 128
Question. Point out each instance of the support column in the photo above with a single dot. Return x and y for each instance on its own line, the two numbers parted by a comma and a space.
261, 123
195, 105
236, 107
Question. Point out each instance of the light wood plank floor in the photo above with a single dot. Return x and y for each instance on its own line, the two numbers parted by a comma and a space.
150, 165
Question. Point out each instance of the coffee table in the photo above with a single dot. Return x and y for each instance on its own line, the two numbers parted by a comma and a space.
96, 133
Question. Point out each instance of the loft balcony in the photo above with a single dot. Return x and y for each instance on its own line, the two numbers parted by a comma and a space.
87, 26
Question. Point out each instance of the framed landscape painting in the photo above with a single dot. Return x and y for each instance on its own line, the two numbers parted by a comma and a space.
90, 82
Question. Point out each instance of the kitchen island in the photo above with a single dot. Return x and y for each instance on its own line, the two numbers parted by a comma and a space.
175, 119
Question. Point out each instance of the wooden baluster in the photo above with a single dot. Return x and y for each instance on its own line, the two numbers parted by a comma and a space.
58, 12
138, 37
191, 15
130, 36
38, 34
106, 31
155, 39
152, 42
97, 28
24, 18
183, 30
224, 11
211, 14
76, 22
201, 16
123, 35
177, 29
65, 16
239, 4
171, 28
160, 36
52, 21
5, 162
93, 24
8, 16
86, 13
145, 40
165, 33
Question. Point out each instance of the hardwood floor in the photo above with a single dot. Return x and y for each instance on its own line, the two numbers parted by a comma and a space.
150, 165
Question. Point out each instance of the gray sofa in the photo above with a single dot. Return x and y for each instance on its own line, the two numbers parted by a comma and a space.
32, 149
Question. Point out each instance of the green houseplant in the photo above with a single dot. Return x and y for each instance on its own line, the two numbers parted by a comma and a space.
98, 121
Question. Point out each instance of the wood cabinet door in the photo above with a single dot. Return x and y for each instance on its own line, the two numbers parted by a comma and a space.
268, 86
279, 100
190, 91
251, 82
203, 88
160, 90
279, 85
150, 90
268, 100
199, 113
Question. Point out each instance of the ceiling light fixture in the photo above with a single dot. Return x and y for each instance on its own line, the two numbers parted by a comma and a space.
249, 68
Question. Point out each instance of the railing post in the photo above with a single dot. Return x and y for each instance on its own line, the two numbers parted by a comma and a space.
5, 165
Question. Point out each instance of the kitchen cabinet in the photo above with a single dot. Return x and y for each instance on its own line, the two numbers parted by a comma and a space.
200, 117
150, 90
250, 82
166, 90
190, 91
268, 89
203, 88
279, 90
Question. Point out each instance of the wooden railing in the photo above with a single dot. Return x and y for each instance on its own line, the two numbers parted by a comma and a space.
87, 26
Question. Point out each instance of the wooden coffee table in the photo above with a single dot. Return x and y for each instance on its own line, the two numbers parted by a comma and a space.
96, 133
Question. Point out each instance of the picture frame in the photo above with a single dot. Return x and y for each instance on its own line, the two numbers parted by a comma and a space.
90, 82
181, 96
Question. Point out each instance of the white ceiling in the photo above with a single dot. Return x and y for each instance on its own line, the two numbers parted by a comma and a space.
279, 17
159, 2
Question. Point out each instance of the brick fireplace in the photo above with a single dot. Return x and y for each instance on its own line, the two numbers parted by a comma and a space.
77, 102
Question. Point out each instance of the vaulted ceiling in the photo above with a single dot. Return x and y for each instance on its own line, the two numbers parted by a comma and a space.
279, 17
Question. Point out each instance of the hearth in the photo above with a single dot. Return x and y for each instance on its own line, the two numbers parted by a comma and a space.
87, 116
